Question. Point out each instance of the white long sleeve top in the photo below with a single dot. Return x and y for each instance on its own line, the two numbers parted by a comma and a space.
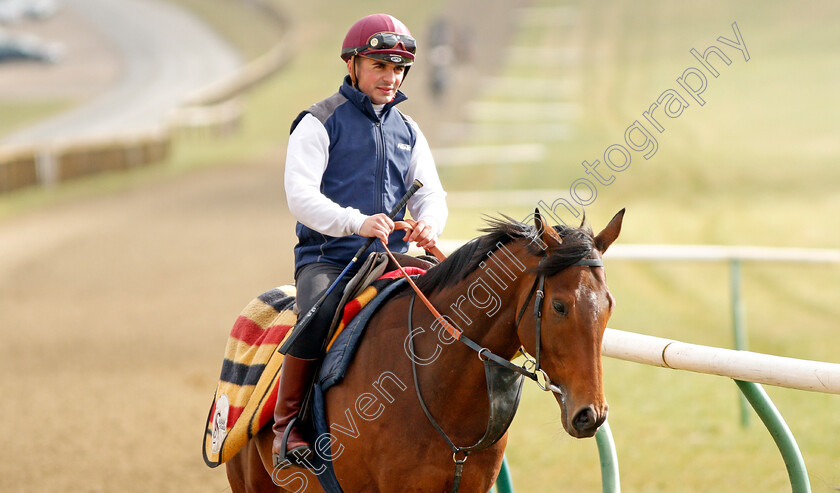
307, 156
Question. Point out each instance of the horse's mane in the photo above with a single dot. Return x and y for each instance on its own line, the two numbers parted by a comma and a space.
577, 244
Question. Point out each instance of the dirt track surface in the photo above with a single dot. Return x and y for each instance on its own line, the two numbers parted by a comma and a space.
114, 313
114, 316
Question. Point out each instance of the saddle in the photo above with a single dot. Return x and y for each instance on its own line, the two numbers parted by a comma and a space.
373, 268
378, 263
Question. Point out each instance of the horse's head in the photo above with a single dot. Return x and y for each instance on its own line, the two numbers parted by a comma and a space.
574, 311
573, 304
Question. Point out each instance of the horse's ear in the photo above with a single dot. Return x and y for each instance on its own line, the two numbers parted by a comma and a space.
539, 222
583, 220
606, 237
548, 234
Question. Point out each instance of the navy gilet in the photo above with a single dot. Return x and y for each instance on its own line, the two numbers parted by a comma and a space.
369, 157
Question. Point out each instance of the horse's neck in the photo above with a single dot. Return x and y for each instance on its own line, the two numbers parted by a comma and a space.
488, 298
484, 306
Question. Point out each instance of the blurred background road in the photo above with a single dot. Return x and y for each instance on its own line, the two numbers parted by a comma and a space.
160, 53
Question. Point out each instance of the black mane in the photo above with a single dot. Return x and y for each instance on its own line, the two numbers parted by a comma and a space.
577, 244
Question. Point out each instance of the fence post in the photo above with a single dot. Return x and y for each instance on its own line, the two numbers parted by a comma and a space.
504, 482
46, 167
738, 326
610, 482
781, 434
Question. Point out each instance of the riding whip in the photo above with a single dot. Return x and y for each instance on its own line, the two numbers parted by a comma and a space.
300, 326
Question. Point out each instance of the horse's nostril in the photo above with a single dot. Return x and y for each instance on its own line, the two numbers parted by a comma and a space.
585, 419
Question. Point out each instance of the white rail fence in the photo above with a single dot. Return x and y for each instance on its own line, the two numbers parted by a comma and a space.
780, 371
746, 368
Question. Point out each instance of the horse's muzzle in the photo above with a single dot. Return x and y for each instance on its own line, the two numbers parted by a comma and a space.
587, 420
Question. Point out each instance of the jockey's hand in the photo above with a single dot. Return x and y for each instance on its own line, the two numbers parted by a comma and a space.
422, 234
377, 226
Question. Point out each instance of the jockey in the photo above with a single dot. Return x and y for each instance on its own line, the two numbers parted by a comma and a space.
350, 159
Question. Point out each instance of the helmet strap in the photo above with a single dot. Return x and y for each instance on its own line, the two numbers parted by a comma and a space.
351, 67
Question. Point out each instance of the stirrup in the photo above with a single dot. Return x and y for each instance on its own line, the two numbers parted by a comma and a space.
284, 454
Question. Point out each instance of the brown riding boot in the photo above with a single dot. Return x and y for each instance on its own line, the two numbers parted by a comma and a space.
295, 378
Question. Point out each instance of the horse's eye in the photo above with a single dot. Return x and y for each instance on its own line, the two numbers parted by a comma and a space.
560, 308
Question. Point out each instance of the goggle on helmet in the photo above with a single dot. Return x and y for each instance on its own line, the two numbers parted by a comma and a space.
382, 37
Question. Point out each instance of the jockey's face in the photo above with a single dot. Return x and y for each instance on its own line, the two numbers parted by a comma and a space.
379, 80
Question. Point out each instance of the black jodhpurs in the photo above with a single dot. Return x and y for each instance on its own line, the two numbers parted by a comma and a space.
312, 280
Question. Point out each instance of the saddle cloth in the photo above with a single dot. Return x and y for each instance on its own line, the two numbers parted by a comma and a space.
247, 390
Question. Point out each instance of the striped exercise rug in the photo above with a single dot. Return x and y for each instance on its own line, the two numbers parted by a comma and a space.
247, 389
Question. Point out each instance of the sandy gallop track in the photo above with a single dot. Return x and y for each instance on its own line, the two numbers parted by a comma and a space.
107, 369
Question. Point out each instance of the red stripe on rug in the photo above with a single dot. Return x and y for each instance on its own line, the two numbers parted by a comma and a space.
276, 334
246, 330
249, 332
267, 411
233, 415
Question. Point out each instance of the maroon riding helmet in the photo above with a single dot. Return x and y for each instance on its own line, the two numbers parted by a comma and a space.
382, 37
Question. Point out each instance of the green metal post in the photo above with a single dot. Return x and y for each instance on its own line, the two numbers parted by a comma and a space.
781, 434
504, 482
738, 326
610, 482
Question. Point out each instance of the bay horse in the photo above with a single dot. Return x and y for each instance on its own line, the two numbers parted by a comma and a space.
519, 287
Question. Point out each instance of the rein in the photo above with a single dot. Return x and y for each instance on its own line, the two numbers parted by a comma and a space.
537, 292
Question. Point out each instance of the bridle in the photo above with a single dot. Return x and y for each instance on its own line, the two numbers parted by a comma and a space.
537, 292
531, 369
